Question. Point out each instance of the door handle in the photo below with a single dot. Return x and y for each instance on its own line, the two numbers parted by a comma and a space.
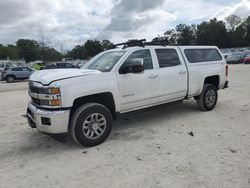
182, 71
153, 76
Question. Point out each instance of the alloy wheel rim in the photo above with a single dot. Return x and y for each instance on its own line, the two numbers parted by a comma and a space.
94, 126
210, 97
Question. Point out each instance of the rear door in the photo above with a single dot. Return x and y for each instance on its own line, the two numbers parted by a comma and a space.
172, 74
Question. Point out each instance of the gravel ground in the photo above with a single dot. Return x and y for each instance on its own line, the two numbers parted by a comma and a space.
149, 149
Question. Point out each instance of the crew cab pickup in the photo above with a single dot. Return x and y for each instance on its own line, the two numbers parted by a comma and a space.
84, 102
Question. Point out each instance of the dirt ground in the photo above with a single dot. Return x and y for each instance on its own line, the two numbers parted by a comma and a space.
150, 149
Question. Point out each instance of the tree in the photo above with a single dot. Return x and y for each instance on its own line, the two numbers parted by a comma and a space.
107, 45
232, 22
78, 52
246, 25
185, 34
170, 36
213, 33
28, 49
50, 54
238, 36
9, 51
92, 47
89, 49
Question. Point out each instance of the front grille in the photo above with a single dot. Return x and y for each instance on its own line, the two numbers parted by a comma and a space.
36, 101
38, 90
34, 89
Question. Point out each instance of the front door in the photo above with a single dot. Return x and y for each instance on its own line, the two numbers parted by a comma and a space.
138, 90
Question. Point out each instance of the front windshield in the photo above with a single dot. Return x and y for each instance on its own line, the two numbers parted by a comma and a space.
106, 61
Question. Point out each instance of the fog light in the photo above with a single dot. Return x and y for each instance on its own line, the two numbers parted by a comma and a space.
45, 121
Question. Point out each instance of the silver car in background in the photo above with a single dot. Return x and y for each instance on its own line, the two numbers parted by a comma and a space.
17, 73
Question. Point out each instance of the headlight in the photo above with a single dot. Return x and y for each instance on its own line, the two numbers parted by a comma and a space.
45, 96
49, 90
54, 91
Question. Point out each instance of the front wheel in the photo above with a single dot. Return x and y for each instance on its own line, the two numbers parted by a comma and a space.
10, 79
208, 98
91, 124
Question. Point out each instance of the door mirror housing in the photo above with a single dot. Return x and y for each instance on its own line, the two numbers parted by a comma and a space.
133, 66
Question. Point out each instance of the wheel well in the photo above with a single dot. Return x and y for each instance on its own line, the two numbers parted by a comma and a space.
10, 75
105, 99
213, 80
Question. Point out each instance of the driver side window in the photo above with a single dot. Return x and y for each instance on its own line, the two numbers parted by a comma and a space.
144, 54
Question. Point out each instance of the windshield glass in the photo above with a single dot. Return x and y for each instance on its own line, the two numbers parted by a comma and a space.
104, 62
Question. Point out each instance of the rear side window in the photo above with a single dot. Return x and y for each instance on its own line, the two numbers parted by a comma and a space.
26, 69
17, 69
167, 57
68, 65
202, 55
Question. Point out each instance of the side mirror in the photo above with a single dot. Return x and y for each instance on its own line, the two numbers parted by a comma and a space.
133, 66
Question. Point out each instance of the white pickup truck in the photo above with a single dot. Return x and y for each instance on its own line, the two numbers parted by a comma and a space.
84, 102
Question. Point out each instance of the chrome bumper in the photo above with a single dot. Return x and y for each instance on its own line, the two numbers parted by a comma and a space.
48, 121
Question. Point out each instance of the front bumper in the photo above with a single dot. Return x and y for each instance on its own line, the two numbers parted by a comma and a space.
48, 121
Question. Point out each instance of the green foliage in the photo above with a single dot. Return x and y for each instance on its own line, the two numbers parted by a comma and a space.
213, 32
185, 34
107, 45
92, 48
50, 54
9, 51
28, 49
89, 49
31, 50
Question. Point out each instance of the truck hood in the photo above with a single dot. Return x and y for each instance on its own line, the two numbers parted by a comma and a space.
47, 76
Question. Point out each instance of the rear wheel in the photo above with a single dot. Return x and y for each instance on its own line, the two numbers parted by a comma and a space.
10, 79
91, 124
208, 98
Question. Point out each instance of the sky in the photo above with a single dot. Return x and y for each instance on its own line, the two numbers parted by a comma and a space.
68, 23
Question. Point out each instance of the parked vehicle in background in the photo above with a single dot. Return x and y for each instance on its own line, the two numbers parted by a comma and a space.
80, 64
85, 102
235, 58
17, 73
5, 66
247, 59
60, 65
226, 55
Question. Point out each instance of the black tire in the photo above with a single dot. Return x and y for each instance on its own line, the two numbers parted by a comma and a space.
208, 98
81, 115
10, 79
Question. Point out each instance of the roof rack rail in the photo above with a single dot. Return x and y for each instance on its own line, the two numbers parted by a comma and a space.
131, 43
155, 43
141, 43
